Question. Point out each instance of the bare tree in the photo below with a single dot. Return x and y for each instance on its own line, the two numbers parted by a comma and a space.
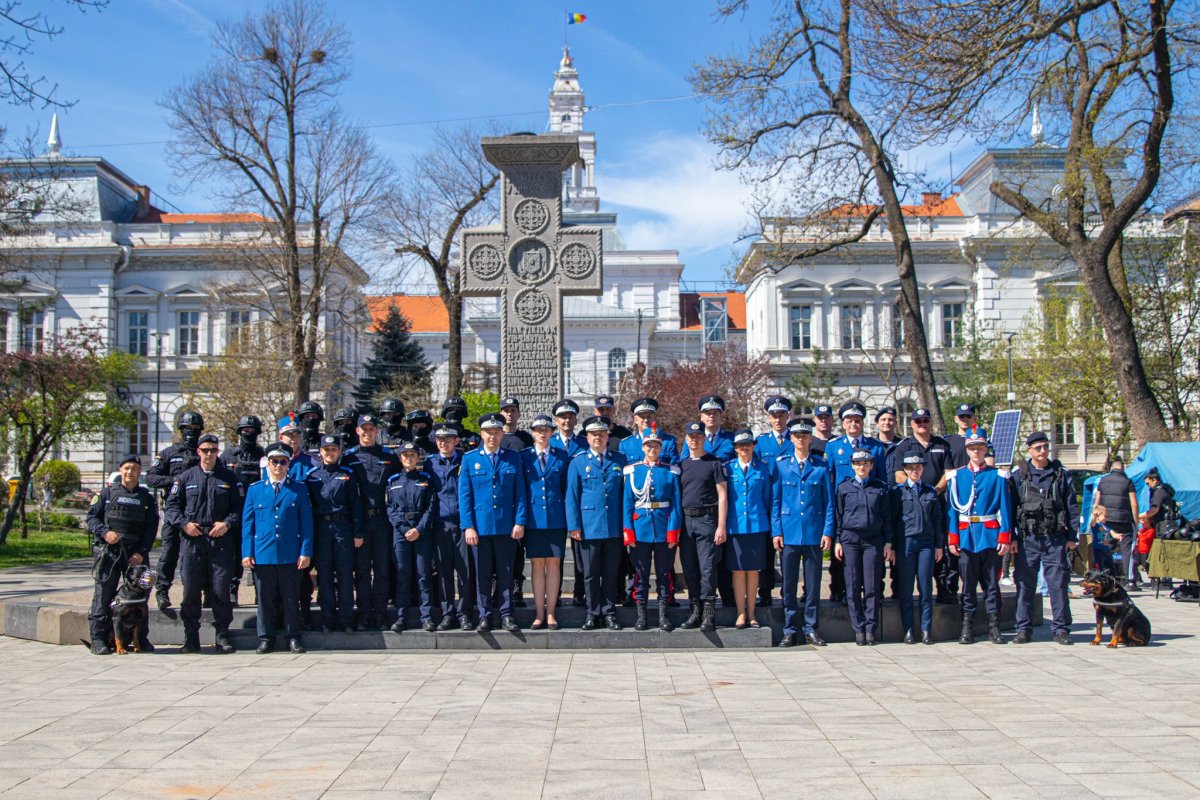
20, 30
794, 110
1110, 67
262, 119
443, 191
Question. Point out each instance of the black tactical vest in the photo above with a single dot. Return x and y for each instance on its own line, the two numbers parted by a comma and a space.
1040, 513
125, 512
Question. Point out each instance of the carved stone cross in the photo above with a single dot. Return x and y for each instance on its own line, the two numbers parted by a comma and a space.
531, 260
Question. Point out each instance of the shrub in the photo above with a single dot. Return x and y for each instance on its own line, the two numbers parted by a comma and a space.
63, 475
52, 519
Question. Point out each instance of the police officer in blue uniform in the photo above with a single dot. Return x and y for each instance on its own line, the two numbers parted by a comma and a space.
838, 453
653, 521
123, 521
162, 473
769, 446
302, 462
337, 532
205, 503
546, 534
866, 528
645, 415
749, 523
451, 557
373, 465
492, 506
920, 543
716, 441
594, 519
565, 439
704, 495
412, 512
1047, 521
802, 530
277, 542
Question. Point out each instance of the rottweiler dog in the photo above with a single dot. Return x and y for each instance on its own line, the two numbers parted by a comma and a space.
1112, 604
129, 608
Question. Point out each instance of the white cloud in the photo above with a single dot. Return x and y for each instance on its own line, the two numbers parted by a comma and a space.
674, 198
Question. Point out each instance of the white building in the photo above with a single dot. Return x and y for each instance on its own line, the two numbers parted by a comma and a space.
147, 279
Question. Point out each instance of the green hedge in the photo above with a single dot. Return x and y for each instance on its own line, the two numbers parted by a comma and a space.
51, 519
64, 478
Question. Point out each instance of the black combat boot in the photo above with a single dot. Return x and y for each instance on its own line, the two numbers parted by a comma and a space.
693, 620
994, 629
664, 624
709, 621
640, 625
968, 635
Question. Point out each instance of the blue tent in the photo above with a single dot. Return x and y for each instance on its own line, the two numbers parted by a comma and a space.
1177, 464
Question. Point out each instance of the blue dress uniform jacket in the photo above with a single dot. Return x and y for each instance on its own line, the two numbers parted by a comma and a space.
865, 511
576, 444
801, 501
979, 510
490, 500
769, 447
277, 528
412, 502
631, 449
595, 494
333, 489
546, 492
653, 513
750, 494
720, 445
445, 472
839, 451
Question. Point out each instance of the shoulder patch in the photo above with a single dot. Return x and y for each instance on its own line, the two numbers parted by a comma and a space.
395, 477
95, 499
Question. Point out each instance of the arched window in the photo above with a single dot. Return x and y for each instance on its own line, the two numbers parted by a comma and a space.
616, 369
904, 409
566, 367
139, 434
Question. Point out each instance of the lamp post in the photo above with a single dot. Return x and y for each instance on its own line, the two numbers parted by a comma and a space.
1012, 395
158, 337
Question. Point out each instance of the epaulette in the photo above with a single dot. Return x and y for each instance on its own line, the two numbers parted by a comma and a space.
578, 453
345, 469
787, 456
394, 477
628, 469
353, 449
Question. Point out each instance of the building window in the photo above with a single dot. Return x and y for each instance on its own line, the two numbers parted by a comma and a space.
187, 334
714, 319
33, 332
139, 333
566, 366
852, 319
616, 369
139, 433
952, 320
1094, 432
904, 410
897, 326
1064, 431
800, 320
3, 331
237, 332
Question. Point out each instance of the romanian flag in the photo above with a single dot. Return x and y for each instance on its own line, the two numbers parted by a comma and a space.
575, 19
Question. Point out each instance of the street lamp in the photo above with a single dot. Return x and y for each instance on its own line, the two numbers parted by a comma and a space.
1012, 396
158, 337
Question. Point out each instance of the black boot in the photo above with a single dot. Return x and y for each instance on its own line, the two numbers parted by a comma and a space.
664, 624
968, 635
709, 621
518, 594
693, 620
994, 629
640, 625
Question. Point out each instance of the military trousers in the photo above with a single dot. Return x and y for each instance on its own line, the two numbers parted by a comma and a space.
981, 568
1047, 553
863, 559
207, 565
333, 546
372, 566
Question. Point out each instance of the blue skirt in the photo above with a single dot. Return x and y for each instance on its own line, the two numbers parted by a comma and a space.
545, 542
747, 552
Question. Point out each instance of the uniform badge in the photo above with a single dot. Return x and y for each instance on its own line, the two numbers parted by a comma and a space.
588, 468
478, 465
95, 499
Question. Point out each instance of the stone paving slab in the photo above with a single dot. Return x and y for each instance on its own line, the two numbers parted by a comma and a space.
894, 721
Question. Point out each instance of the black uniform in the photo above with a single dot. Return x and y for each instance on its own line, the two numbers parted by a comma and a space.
392, 436
939, 457
412, 503
866, 522
698, 551
373, 466
1047, 517
452, 559
337, 521
246, 462
133, 515
162, 473
206, 563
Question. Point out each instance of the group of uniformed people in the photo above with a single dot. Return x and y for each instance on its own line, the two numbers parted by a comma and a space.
430, 515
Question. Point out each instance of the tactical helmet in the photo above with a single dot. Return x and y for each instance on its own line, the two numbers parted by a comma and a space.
454, 404
190, 418
420, 415
345, 415
391, 406
250, 421
311, 407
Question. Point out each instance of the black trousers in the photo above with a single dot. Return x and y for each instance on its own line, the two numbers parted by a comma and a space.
577, 592
519, 564
494, 556
863, 570
837, 578
114, 562
766, 576
372, 568
946, 575
601, 562
207, 565
278, 587
168, 557
333, 543
452, 562
701, 556
663, 557
980, 569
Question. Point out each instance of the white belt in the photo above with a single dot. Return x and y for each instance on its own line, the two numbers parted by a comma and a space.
653, 506
984, 518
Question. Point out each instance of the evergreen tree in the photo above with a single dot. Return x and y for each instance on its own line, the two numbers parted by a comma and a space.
397, 361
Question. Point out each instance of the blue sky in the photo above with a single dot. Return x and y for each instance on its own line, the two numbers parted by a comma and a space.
417, 62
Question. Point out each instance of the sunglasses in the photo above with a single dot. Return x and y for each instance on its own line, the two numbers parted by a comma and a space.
208, 450
277, 460
921, 421
1039, 447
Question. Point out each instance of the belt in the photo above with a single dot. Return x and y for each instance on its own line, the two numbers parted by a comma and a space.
373, 512
982, 518
700, 511
412, 516
652, 506
333, 517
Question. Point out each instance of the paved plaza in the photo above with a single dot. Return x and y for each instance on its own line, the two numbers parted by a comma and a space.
894, 721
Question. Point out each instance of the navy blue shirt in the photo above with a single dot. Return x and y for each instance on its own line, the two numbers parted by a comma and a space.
937, 458
373, 466
412, 502
864, 511
333, 489
445, 478
921, 513
205, 498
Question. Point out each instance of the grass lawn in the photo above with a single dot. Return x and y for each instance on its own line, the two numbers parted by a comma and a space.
49, 544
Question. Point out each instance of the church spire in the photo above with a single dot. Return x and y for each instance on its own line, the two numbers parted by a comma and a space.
54, 142
566, 117
1036, 132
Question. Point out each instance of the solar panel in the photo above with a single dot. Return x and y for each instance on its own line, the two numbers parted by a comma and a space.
1004, 436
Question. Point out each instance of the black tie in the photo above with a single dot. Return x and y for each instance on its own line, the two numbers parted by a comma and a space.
493, 457
542, 459
276, 489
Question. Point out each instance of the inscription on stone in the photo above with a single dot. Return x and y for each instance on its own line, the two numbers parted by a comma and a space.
531, 260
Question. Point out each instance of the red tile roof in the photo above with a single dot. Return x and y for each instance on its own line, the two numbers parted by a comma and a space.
426, 312
932, 205
179, 219
689, 309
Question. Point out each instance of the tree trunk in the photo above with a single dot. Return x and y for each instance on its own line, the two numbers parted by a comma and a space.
1141, 409
452, 298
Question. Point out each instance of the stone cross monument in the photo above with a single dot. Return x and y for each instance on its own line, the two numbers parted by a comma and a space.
531, 260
